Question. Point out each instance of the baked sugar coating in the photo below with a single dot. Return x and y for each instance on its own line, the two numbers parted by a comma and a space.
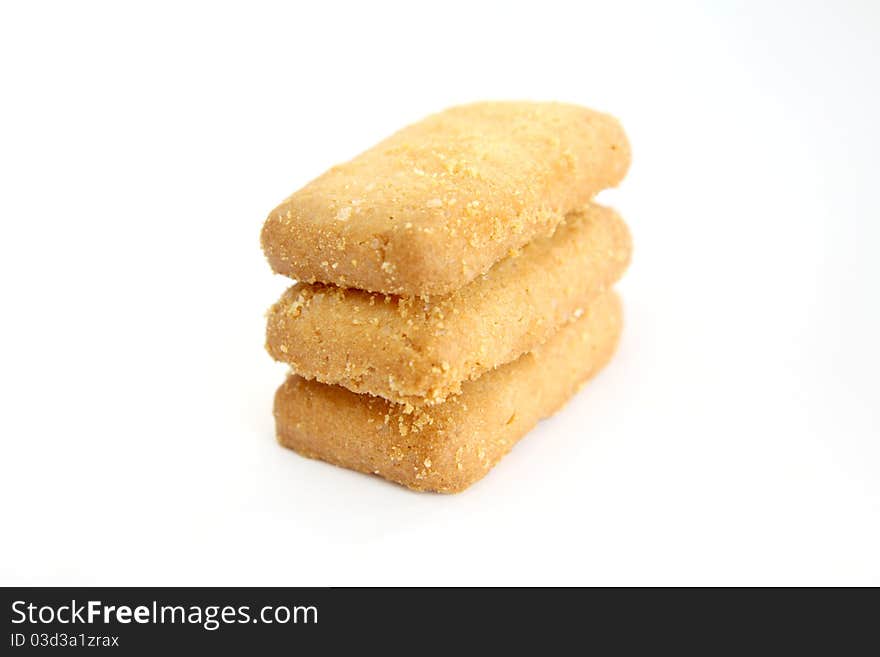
438, 203
446, 448
417, 351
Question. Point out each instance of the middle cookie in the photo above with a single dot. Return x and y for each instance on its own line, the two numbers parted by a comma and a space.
416, 351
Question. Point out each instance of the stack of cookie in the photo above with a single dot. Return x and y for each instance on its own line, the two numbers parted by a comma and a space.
453, 288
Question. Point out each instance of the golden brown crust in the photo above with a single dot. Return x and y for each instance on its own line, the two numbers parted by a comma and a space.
446, 448
419, 352
438, 203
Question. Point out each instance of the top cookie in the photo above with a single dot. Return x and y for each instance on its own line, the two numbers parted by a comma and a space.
438, 203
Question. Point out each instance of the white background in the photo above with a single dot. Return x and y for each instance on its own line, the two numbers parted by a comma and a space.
735, 439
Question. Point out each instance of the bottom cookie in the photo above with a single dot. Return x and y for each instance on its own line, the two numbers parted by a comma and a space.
446, 448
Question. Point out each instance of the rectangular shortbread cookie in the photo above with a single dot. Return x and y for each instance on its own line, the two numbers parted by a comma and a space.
438, 203
418, 351
446, 448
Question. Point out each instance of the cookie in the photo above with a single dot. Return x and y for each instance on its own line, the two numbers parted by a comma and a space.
446, 448
438, 203
414, 351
